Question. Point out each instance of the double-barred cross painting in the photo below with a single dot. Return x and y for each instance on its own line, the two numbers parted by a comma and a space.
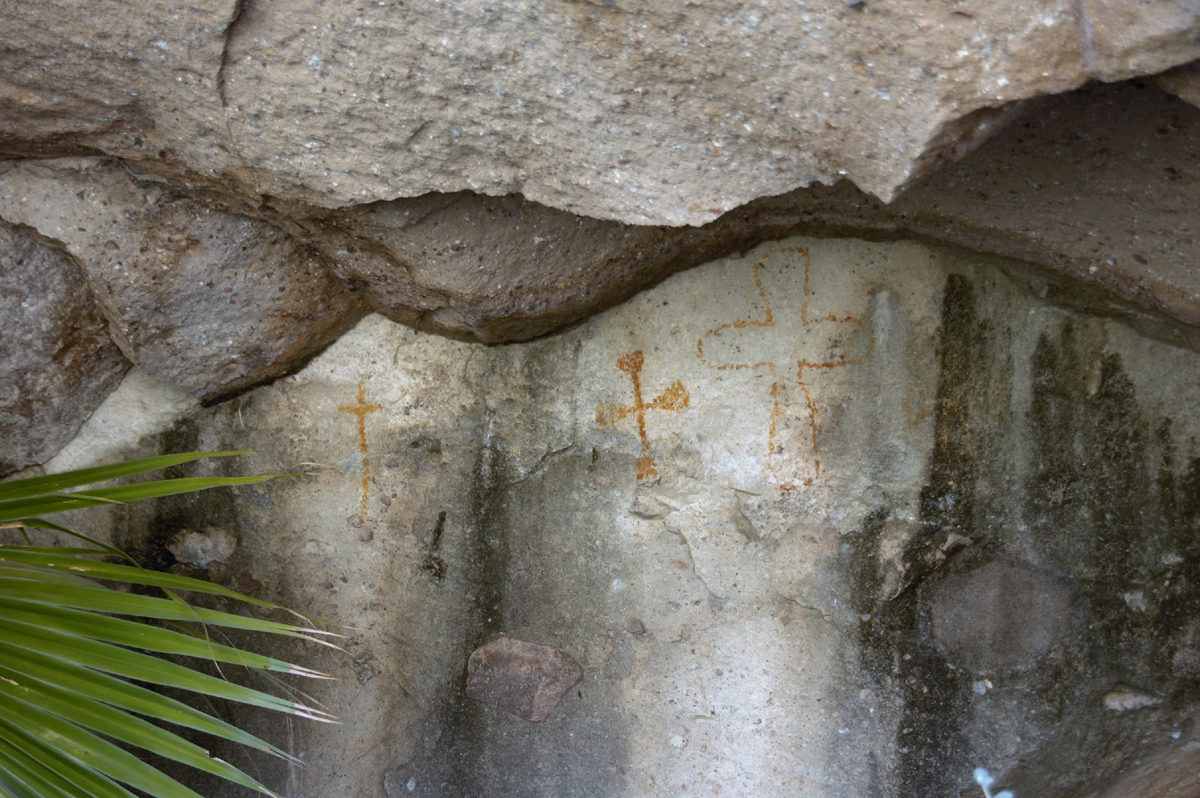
782, 331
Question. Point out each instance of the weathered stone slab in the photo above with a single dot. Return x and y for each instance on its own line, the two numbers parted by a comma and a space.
856, 412
651, 113
58, 361
523, 679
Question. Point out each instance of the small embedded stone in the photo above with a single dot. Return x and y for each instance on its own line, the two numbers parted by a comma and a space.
1123, 698
1000, 615
523, 679
636, 627
198, 548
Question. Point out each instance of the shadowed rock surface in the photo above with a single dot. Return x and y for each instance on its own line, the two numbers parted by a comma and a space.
58, 363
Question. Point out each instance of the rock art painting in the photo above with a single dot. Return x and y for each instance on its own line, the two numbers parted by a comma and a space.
674, 398
785, 348
712, 541
360, 410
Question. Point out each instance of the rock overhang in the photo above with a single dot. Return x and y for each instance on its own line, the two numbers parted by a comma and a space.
651, 114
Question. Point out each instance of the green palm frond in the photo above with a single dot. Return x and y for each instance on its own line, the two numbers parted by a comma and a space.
72, 650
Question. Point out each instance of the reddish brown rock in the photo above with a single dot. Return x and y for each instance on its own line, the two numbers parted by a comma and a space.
524, 679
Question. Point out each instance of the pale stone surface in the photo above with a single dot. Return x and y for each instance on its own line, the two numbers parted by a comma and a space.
666, 113
1124, 698
58, 362
141, 406
201, 547
854, 411
208, 301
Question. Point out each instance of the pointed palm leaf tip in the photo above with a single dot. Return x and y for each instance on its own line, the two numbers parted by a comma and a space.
71, 649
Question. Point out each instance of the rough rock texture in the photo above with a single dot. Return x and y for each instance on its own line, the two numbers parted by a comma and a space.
58, 362
1174, 773
524, 679
855, 412
207, 301
1184, 81
138, 81
1099, 184
198, 548
647, 113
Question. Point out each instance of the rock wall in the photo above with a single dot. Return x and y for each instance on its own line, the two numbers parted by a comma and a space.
216, 296
831, 518
899, 481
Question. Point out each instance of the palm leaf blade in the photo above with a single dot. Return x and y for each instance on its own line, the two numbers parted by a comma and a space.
73, 560
142, 667
87, 749
72, 650
84, 711
50, 483
42, 504
100, 599
124, 695
134, 634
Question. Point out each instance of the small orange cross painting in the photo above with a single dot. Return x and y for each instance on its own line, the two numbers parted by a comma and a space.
674, 398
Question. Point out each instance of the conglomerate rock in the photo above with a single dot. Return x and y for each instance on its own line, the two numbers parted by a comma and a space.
650, 113
56, 360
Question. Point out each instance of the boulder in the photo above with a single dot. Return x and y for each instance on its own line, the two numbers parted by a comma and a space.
58, 361
523, 679
205, 300
1098, 184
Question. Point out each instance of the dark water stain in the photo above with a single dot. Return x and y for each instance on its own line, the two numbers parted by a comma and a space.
543, 590
930, 744
1108, 504
433, 564
484, 562
930, 747
142, 529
